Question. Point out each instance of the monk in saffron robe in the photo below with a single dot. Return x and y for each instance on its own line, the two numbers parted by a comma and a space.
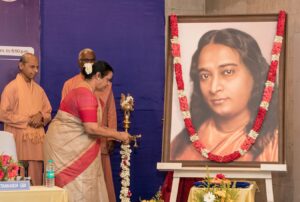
25, 111
109, 116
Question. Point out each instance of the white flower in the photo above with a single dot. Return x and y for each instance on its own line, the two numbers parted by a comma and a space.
269, 83
204, 152
125, 167
175, 40
176, 60
88, 68
242, 152
181, 93
209, 197
194, 137
278, 39
264, 105
253, 134
125, 199
275, 57
124, 174
128, 101
186, 114
124, 191
125, 183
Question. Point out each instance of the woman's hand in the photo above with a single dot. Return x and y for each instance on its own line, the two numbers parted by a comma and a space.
125, 137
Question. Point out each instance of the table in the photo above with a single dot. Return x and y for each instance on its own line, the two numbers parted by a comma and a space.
245, 194
35, 194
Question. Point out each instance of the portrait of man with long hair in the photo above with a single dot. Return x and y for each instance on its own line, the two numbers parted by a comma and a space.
227, 74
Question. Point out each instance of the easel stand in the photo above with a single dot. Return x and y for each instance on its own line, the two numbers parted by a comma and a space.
264, 172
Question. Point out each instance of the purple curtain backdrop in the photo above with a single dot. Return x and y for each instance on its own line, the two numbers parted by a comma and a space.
129, 34
19, 27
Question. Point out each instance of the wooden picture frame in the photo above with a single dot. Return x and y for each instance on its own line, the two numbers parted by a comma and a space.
262, 28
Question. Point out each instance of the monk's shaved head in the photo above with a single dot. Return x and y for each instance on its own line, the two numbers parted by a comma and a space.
85, 52
86, 55
25, 57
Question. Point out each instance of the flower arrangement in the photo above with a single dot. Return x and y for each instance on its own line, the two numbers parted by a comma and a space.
88, 68
217, 189
250, 139
8, 168
156, 198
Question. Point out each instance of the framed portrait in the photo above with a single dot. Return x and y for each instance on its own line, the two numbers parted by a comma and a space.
225, 62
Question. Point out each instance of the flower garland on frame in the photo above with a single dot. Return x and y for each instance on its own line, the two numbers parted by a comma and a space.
264, 104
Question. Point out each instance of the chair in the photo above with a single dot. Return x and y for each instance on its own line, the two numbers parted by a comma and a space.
8, 145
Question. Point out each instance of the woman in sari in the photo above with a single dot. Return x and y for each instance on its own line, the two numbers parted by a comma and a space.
73, 138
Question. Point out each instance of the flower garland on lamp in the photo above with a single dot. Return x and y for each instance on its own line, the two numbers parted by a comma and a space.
125, 192
126, 103
264, 104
